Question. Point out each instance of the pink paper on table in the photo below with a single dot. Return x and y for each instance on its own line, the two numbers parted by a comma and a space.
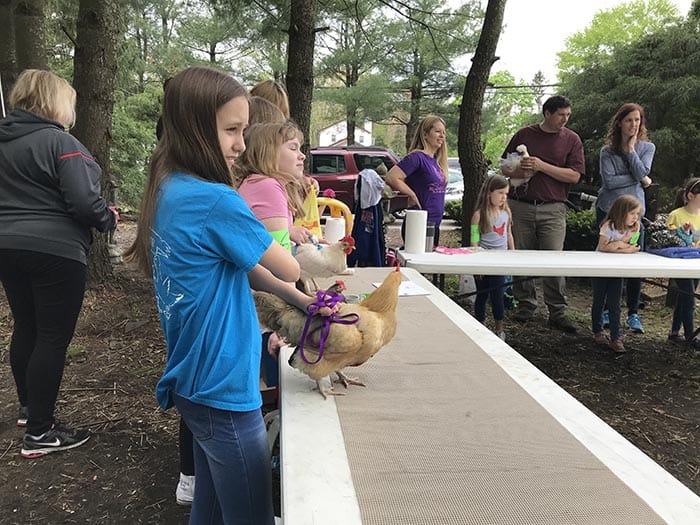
452, 251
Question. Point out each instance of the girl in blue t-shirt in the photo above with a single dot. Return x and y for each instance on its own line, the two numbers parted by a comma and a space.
422, 174
205, 249
491, 229
619, 233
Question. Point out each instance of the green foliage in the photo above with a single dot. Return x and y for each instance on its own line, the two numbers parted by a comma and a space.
453, 210
581, 233
660, 72
611, 29
134, 125
504, 112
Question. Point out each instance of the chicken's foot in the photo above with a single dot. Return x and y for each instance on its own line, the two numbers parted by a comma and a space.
325, 392
346, 381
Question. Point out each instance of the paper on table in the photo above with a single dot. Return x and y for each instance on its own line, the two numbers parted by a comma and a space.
408, 288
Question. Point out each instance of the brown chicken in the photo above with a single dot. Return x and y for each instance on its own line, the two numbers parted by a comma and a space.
317, 260
346, 344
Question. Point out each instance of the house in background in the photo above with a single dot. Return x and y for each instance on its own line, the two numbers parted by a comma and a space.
336, 135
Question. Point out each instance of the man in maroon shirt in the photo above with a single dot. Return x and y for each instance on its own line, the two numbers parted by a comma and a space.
538, 204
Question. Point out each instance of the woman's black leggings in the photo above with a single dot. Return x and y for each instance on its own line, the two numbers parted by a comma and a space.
45, 293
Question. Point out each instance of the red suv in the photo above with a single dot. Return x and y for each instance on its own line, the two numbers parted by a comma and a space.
337, 168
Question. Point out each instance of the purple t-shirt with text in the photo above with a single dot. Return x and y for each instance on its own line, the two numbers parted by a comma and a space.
425, 177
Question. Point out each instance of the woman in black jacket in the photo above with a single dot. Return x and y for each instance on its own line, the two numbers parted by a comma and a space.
50, 199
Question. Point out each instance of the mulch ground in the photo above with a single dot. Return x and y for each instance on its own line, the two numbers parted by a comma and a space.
127, 472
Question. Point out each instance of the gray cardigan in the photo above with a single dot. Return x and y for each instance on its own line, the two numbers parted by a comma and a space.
621, 173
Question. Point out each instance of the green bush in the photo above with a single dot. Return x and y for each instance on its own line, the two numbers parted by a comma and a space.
453, 210
581, 233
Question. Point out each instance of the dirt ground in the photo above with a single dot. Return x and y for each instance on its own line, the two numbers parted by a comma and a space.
127, 472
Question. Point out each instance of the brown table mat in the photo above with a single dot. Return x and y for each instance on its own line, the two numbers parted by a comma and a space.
442, 435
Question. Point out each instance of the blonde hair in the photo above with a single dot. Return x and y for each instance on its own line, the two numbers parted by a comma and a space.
262, 110
46, 95
418, 143
261, 157
274, 92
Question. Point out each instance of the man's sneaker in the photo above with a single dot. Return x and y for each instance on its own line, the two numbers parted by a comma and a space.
184, 493
22, 416
635, 324
53, 440
606, 319
563, 324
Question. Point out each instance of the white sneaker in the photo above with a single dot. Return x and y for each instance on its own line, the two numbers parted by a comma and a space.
502, 335
184, 493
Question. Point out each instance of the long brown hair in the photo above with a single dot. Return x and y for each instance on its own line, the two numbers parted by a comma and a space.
261, 157
483, 201
622, 206
422, 130
190, 143
614, 138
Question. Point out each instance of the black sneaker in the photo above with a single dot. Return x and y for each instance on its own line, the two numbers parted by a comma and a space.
22, 416
563, 324
54, 440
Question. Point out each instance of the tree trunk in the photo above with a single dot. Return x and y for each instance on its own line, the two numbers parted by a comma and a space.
471, 156
100, 26
30, 34
300, 64
8, 55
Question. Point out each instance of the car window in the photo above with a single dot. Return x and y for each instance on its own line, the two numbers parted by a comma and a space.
363, 161
327, 164
454, 176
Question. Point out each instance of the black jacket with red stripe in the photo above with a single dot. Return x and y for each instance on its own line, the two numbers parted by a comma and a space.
49, 189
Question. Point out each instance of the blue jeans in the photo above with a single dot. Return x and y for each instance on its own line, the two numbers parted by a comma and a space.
489, 286
684, 310
633, 287
606, 289
232, 462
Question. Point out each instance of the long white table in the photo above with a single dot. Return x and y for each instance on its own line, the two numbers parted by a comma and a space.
455, 427
552, 263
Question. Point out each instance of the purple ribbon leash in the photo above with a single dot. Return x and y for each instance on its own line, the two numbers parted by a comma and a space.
329, 299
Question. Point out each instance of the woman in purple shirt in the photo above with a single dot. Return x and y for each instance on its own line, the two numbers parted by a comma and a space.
422, 174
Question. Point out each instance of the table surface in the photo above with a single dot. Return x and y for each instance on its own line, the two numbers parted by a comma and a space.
456, 427
553, 263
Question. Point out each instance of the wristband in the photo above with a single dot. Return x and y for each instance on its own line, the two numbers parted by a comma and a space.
475, 235
282, 237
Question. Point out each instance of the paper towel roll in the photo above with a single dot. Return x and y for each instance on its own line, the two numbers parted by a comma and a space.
416, 221
335, 229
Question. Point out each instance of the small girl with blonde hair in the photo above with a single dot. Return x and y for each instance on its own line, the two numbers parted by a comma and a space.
270, 176
491, 230
619, 233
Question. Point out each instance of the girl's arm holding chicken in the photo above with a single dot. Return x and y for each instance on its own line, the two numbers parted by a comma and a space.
261, 278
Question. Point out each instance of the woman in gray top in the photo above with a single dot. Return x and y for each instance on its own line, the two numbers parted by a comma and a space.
50, 201
625, 164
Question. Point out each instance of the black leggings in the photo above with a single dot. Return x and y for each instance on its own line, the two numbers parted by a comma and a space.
45, 293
